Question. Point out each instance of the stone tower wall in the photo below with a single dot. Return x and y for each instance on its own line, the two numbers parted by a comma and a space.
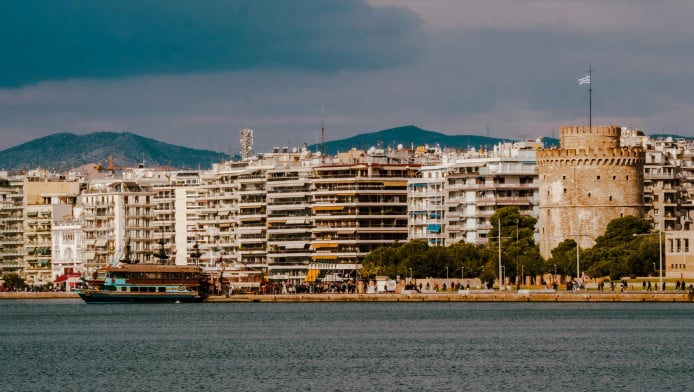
582, 189
600, 137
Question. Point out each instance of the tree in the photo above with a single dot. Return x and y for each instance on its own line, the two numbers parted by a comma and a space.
618, 252
13, 281
380, 261
564, 257
468, 258
518, 248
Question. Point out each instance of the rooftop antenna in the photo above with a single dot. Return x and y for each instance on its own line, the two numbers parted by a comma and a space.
322, 130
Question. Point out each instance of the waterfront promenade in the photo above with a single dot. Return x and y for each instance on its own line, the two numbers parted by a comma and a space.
448, 296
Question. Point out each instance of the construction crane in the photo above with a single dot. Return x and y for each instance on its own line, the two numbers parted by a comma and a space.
111, 167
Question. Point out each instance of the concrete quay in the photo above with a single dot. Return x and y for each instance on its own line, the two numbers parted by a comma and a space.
449, 296
472, 296
37, 295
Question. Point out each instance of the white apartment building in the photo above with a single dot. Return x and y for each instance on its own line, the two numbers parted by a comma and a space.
452, 200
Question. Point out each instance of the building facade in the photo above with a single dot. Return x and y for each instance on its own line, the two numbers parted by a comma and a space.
585, 184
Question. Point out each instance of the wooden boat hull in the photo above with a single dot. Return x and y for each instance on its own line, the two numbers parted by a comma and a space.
111, 297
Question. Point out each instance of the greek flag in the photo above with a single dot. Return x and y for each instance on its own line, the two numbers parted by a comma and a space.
584, 80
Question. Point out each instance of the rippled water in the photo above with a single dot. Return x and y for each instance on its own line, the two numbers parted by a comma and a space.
68, 345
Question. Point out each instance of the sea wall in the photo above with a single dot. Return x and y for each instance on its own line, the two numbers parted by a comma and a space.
450, 296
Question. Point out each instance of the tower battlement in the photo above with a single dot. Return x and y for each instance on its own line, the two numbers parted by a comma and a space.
584, 137
592, 156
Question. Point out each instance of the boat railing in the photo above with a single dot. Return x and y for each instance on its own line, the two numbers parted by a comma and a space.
164, 281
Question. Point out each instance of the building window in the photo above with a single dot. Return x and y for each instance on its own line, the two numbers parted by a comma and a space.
598, 177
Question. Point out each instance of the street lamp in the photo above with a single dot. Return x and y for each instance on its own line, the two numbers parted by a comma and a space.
555, 273
503, 277
578, 254
446, 274
410, 275
522, 274
660, 252
499, 237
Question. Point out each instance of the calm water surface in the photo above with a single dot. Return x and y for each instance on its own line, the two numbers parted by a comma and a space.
68, 345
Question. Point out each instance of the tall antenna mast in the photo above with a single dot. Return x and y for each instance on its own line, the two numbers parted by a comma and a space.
322, 130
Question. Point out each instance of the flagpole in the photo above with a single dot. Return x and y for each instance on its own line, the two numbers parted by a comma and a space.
590, 98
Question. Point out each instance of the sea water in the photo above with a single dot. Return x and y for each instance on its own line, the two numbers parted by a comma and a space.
60, 345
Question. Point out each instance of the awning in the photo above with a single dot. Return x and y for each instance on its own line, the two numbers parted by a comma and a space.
296, 221
434, 228
60, 279
325, 245
417, 212
88, 256
250, 218
312, 274
300, 245
89, 242
324, 257
328, 208
346, 232
434, 215
243, 230
101, 243
418, 185
395, 183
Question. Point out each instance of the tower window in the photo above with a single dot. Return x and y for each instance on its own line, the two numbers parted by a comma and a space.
598, 177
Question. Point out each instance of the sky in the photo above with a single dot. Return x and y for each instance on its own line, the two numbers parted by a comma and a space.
194, 73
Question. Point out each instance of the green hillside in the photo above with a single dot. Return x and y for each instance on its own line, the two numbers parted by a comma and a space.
408, 136
64, 151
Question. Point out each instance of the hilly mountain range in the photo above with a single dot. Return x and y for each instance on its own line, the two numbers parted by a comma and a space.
410, 135
64, 151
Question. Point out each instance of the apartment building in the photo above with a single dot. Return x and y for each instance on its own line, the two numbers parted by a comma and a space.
289, 220
12, 225
452, 201
67, 249
357, 208
116, 214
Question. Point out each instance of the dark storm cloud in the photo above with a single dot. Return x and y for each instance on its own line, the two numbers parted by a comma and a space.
539, 67
57, 40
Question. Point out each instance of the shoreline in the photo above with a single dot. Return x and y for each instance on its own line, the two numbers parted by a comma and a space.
471, 296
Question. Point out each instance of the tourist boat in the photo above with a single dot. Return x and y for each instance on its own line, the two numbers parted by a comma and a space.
148, 283
126, 281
